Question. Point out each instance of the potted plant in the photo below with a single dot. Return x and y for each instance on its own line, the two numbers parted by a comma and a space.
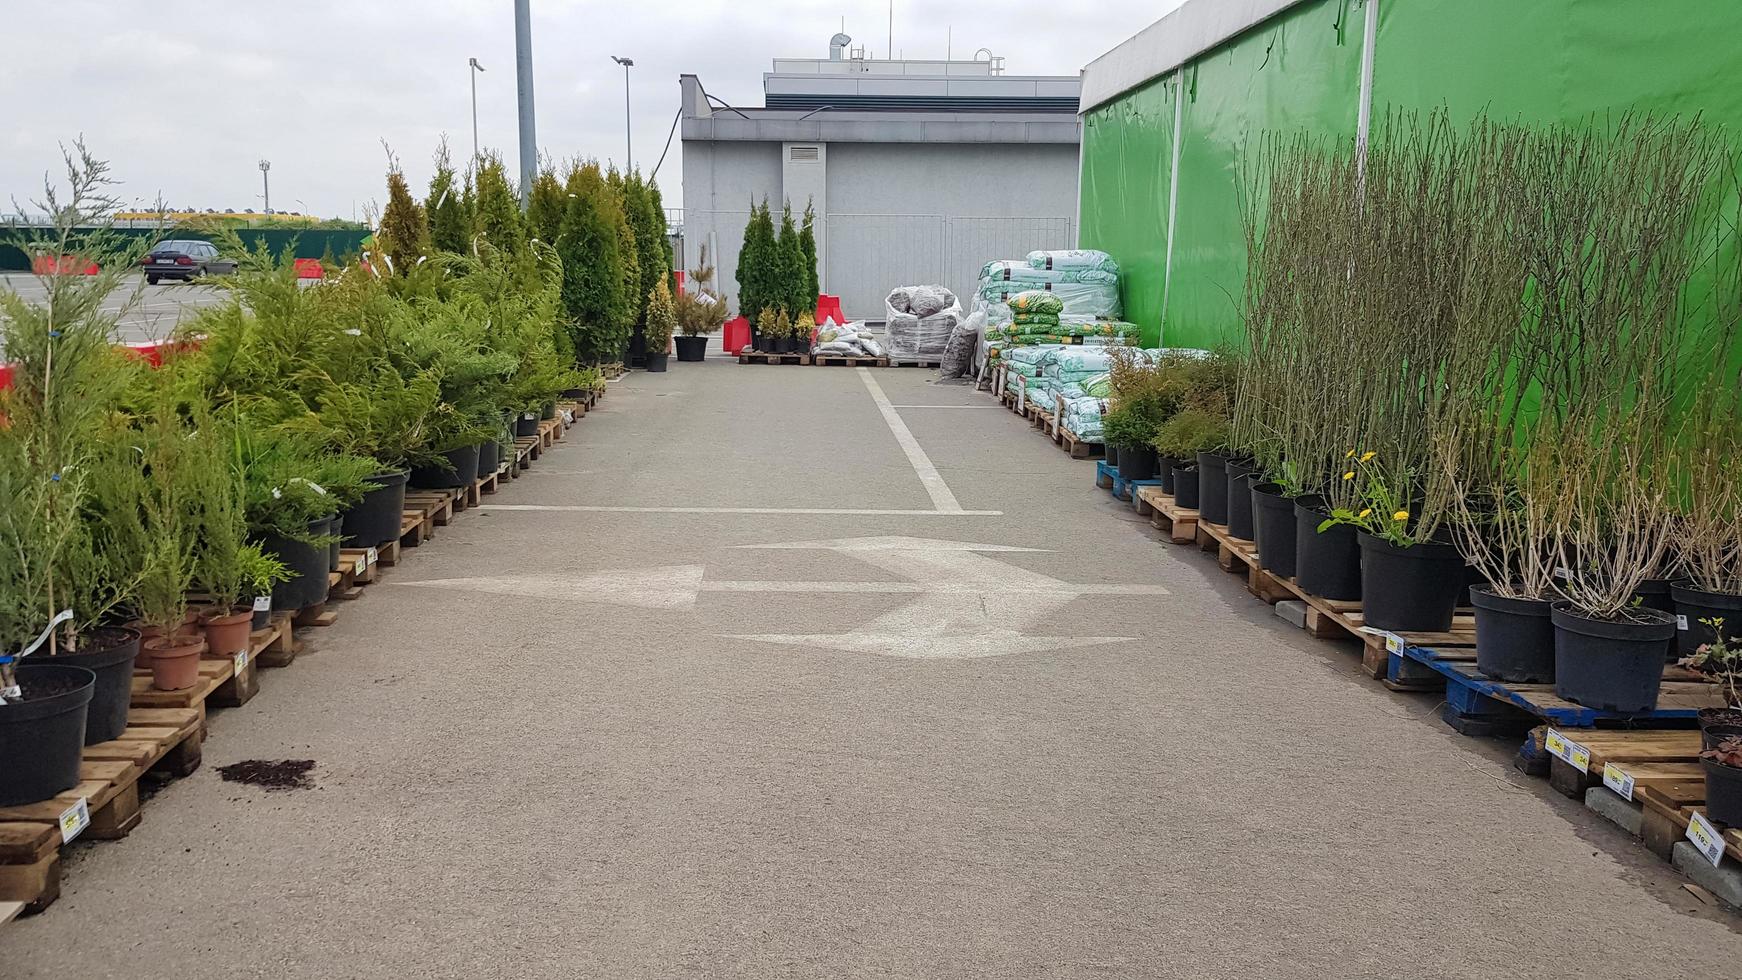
1129, 428
804, 332
699, 311
767, 339
1708, 531
785, 332
170, 507
1723, 766
1409, 582
1181, 438
661, 321
1722, 661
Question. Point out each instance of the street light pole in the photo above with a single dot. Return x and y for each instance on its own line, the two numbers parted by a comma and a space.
628, 136
523, 75
473, 75
266, 185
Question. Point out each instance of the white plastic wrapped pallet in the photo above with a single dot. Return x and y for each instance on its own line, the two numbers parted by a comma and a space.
921, 320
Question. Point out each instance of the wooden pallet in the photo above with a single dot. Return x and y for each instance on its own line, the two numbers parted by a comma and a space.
549, 431
612, 371
224, 681
438, 504
1475, 702
1180, 524
1647, 756
1078, 447
831, 360
755, 357
915, 363
162, 741
1668, 807
1108, 478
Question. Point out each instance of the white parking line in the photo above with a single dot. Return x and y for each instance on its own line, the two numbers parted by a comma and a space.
941, 497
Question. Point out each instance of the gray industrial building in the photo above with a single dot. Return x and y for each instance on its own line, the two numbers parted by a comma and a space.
919, 171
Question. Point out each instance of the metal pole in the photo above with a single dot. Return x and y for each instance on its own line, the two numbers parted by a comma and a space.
473, 75
523, 73
628, 136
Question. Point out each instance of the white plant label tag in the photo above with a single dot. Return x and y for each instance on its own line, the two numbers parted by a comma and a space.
1618, 781
262, 603
74, 819
1568, 751
241, 661
1563, 572
1706, 837
369, 557
1681, 623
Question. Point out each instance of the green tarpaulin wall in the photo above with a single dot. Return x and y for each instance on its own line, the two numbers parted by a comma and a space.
311, 243
1541, 61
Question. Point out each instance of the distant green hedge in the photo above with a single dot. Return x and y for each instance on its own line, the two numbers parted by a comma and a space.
310, 243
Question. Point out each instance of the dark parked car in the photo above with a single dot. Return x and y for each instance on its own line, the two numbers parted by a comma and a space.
185, 260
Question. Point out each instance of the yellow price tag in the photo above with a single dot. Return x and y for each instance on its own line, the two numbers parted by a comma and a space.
1567, 750
1705, 837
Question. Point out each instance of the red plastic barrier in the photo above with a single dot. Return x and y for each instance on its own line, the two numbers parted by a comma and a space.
151, 353
309, 269
67, 265
5, 376
737, 336
829, 308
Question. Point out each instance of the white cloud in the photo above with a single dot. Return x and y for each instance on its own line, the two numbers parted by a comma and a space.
186, 105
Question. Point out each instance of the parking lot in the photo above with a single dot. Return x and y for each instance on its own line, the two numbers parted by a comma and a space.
152, 317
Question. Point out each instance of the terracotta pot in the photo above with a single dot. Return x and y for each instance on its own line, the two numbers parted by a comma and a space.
227, 635
175, 664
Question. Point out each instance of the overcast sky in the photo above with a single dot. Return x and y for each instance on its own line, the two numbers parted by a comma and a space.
185, 98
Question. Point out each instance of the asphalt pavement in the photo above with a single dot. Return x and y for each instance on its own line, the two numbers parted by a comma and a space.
820, 672
145, 312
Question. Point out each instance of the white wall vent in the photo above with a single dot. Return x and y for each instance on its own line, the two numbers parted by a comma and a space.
804, 154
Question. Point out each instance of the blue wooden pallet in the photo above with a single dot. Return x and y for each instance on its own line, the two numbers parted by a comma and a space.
1474, 697
1108, 478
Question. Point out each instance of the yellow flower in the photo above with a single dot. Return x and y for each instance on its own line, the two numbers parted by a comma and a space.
1349, 455
1402, 515
1367, 456
1365, 512
1349, 475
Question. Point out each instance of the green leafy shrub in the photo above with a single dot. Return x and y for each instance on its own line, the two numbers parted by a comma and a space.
1189, 432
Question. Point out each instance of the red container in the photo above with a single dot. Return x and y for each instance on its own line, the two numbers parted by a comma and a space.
829, 308
737, 335
68, 265
309, 269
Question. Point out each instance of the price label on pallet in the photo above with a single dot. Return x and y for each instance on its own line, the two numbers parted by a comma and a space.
74, 819
370, 556
1617, 780
241, 660
1706, 838
1567, 750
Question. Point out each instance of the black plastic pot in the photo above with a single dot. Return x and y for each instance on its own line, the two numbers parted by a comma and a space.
1693, 605
375, 519
307, 585
109, 657
1240, 498
1653, 593
1136, 463
1612, 666
1164, 466
1213, 488
691, 348
489, 458
262, 617
1328, 563
43, 738
1713, 736
548, 411
526, 425
1185, 487
461, 471
1409, 590
637, 347
656, 363
1112, 455
1514, 637
1723, 792
335, 526
1273, 529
